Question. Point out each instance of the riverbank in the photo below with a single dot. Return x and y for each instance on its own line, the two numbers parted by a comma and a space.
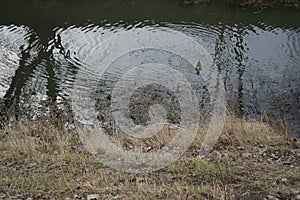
253, 3
250, 161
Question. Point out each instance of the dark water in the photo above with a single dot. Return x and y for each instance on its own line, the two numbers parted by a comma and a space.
44, 45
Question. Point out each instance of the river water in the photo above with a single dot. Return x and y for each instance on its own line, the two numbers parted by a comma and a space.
46, 46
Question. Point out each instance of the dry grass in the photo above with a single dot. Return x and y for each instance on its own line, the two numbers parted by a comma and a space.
265, 3
244, 132
235, 132
252, 3
46, 162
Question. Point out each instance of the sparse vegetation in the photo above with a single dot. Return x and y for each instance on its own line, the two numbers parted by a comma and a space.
265, 3
250, 161
252, 3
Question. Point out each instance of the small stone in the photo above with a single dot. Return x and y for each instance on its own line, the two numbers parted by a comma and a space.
272, 197
246, 154
93, 197
147, 149
298, 197
240, 148
284, 180
295, 192
67, 198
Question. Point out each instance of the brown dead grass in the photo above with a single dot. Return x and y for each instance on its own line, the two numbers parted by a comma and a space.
249, 161
236, 132
265, 3
252, 3
253, 132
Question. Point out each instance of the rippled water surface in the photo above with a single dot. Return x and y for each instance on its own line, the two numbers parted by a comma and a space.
47, 46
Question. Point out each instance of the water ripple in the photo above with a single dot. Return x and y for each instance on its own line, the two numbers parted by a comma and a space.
16, 43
